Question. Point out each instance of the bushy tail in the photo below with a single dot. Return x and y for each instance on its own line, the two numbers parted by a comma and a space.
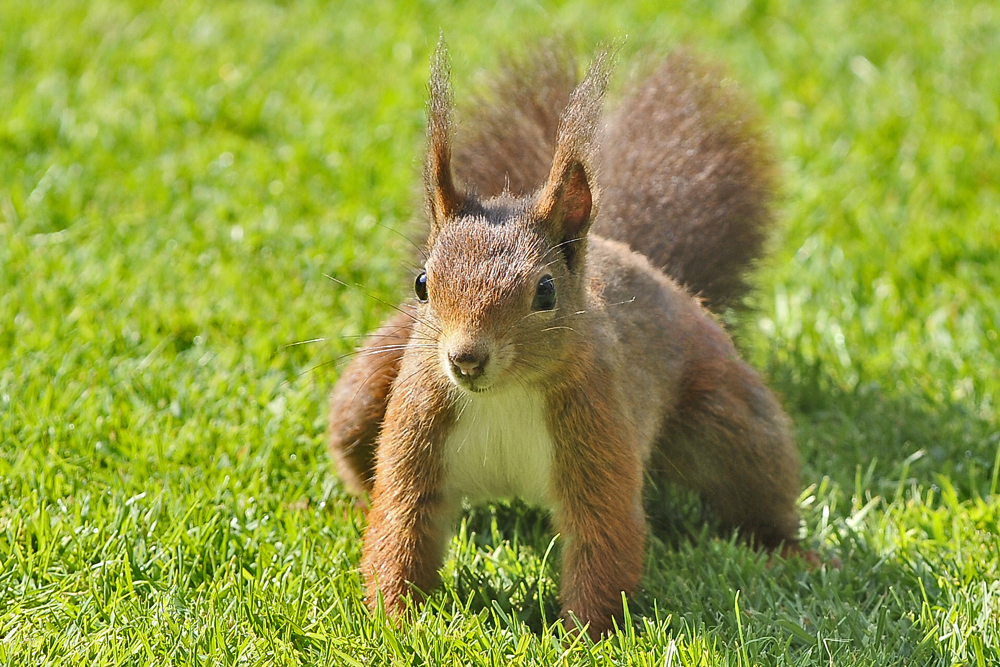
687, 179
685, 176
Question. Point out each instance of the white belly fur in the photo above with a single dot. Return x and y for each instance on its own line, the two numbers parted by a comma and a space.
500, 447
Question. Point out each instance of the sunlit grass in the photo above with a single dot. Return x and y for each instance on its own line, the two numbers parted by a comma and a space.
175, 181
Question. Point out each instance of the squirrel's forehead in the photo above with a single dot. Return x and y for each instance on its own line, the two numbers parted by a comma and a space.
479, 243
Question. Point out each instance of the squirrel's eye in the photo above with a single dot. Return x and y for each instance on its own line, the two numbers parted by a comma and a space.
545, 294
420, 286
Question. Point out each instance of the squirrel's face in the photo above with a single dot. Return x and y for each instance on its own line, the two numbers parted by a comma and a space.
495, 297
504, 278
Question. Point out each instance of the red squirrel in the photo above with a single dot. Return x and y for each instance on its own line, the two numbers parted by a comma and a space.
551, 352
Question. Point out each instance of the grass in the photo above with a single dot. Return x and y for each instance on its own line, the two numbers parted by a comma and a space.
175, 181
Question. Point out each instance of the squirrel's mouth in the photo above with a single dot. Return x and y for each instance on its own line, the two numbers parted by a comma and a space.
476, 385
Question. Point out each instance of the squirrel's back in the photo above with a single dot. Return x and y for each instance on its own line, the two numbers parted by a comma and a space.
685, 177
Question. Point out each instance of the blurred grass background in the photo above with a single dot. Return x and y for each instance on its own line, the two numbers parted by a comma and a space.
176, 178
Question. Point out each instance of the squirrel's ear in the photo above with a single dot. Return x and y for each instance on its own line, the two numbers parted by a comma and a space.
443, 200
565, 203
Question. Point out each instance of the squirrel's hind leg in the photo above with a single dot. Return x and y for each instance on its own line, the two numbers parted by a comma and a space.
730, 441
359, 399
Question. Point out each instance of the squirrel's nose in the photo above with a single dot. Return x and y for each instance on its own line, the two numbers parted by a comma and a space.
468, 364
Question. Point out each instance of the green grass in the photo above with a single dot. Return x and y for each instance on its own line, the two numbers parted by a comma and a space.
175, 181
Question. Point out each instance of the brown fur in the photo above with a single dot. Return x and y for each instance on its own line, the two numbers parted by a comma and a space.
598, 475
409, 521
686, 176
358, 402
721, 402
444, 200
683, 149
626, 371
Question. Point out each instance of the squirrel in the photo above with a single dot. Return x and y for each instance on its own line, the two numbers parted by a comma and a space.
559, 348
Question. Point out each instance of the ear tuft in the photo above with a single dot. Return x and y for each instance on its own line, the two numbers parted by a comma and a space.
566, 203
443, 200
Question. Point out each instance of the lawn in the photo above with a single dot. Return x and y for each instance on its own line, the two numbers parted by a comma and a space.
177, 181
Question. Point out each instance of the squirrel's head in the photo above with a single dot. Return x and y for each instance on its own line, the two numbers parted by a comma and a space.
504, 279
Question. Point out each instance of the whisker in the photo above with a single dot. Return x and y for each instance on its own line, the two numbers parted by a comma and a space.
539, 357
513, 324
375, 351
560, 328
526, 316
382, 367
559, 245
370, 334
361, 352
518, 377
529, 364
404, 237
519, 359
373, 335
421, 367
465, 406
302, 342
383, 302
310, 370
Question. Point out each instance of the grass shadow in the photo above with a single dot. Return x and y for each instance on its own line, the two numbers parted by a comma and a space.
879, 440
868, 441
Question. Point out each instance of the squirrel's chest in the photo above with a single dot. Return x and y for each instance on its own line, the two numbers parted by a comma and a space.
500, 447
